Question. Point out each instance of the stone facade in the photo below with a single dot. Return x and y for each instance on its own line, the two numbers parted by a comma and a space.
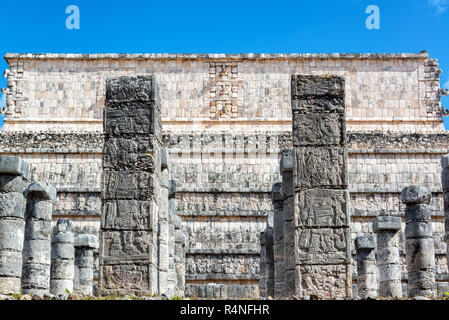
225, 120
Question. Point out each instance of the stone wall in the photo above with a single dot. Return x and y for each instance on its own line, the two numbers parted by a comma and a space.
225, 119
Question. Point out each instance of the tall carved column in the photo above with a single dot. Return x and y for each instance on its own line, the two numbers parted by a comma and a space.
131, 187
419, 246
279, 271
266, 283
388, 258
320, 180
13, 173
37, 245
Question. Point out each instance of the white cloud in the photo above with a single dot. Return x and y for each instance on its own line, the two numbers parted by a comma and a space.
446, 85
440, 5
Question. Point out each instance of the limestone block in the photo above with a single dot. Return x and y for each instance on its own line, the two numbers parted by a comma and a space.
415, 195
12, 165
365, 242
126, 279
12, 205
418, 229
420, 253
386, 223
128, 246
129, 215
127, 185
417, 212
316, 86
323, 246
287, 160
39, 212
136, 154
276, 192
318, 129
86, 240
320, 167
11, 183
165, 158
40, 190
321, 105
323, 208
124, 89
327, 281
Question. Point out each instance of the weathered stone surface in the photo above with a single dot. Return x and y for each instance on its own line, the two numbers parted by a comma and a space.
318, 129
129, 215
323, 208
320, 105
40, 190
12, 165
276, 193
138, 153
415, 195
420, 253
418, 229
165, 158
386, 223
445, 161
86, 240
287, 160
320, 167
124, 89
37, 251
11, 183
326, 281
417, 212
9, 285
310, 86
127, 185
128, 246
365, 242
323, 246
11, 235
12, 205
126, 279
35, 277
62, 268
38, 211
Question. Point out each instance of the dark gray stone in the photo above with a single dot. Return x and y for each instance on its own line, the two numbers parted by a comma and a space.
86, 240
12, 165
365, 242
415, 195
287, 160
310, 86
386, 223
40, 190
276, 193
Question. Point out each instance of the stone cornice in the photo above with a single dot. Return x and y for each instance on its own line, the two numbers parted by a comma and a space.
221, 56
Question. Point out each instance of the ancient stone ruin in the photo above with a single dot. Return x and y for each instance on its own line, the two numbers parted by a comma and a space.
224, 176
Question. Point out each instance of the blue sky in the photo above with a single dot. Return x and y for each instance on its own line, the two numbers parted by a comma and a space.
229, 26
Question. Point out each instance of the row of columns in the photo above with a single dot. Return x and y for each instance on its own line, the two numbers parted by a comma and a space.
31, 260
420, 252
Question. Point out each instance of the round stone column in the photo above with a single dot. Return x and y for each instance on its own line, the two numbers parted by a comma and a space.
37, 246
420, 252
366, 266
13, 173
62, 258
388, 258
85, 244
